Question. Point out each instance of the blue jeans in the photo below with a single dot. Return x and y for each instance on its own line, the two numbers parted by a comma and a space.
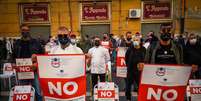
35, 84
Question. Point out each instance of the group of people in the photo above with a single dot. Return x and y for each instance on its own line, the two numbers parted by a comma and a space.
167, 49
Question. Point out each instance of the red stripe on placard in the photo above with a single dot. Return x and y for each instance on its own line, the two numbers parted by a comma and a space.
195, 90
63, 88
121, 62
161, 93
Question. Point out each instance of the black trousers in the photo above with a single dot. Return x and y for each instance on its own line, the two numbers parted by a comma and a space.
94, 78
132, 77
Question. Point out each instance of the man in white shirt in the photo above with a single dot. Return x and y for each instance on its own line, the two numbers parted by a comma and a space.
50, 45
73, 40
65, 46
99, 57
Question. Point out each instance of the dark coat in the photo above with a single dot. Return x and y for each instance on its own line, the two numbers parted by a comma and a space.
133, 57
192, 53
34, 46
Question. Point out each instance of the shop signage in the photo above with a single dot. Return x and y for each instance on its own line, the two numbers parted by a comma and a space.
35, 13
95, 12
157, 11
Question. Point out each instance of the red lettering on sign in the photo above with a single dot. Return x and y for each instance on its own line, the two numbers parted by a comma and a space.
24, 69
106, 94
157, 93
22, 97
121, 61
195, 90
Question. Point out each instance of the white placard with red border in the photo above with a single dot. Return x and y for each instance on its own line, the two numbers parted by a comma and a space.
24, 72
24, 68
22, 93
105, 91
121, 64
195, 89
163, 82
62, 77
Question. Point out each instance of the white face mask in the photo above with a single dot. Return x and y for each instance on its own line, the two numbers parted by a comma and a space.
73, 41
51, 40
136, 43
193, 41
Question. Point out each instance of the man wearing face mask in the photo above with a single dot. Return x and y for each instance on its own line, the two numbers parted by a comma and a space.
134, 55
65, 46
165, 51
127, 42
73, 40
106, 43
26, 47
151, 38
192, 54
98, 58
50, 45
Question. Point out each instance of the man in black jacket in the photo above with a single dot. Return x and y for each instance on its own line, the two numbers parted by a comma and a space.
25, 48
134, 55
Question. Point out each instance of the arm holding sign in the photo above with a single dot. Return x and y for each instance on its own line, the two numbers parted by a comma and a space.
34, 61
88, 61
194, 67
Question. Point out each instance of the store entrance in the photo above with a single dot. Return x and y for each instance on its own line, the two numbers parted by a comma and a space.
42, 32
95, 30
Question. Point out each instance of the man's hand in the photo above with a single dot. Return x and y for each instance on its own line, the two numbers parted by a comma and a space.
194, 67
34, 66
88, 59
34, 61
88, 55
33, 58
140, 66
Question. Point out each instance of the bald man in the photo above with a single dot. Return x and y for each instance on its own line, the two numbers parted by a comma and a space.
65, 46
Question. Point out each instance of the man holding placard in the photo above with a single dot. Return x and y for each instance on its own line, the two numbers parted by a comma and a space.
164, 78
62, 72
65, 46
24, 48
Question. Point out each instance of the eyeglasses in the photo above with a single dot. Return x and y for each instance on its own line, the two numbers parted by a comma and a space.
62, 35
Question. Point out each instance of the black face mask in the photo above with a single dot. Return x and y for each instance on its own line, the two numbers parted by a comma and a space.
129, 39
97, 43
165, 36
63, 39
25, 34
104, 37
